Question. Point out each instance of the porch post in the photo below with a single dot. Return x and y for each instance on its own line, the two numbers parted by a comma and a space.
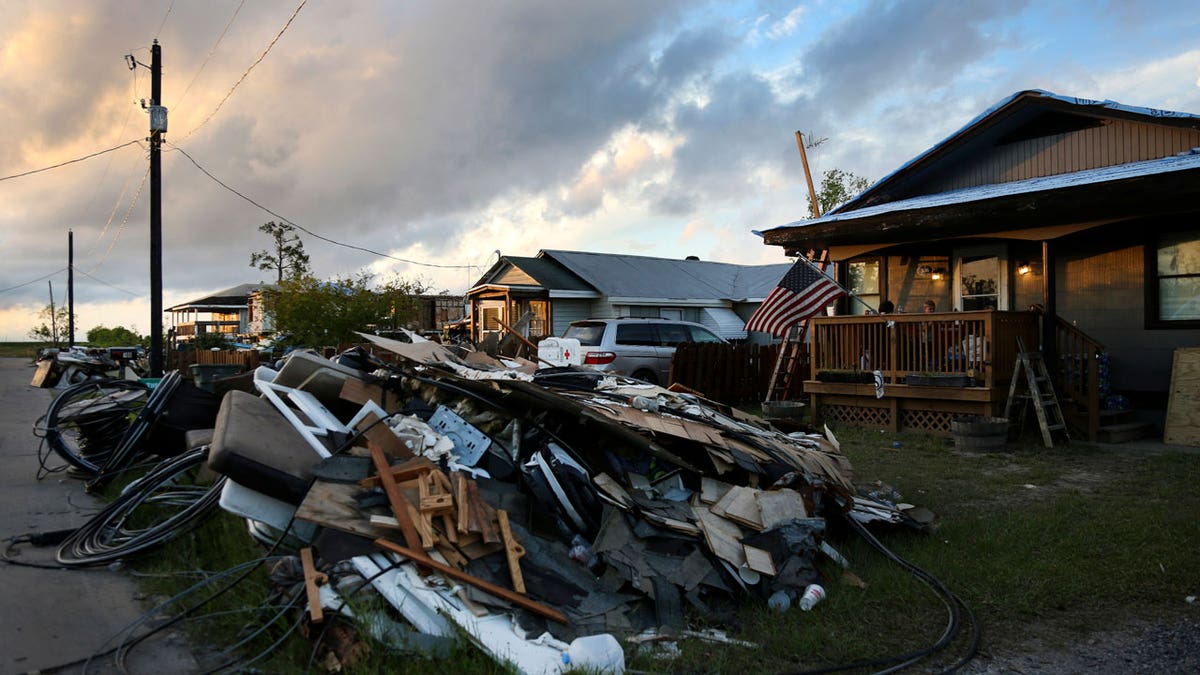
1050, 316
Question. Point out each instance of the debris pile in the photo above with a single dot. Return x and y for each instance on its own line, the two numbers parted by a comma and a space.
541, 511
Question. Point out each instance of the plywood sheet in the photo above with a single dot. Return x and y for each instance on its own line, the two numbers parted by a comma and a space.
778, 506
724, 537
1183, 406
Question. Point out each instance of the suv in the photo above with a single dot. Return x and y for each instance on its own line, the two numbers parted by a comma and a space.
640, 348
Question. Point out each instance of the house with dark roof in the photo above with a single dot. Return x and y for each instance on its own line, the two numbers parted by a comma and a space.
1086, 212
227, 312
558, 287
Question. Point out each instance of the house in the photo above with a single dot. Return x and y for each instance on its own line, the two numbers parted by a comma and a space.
558, 287
227, 311
1085, 211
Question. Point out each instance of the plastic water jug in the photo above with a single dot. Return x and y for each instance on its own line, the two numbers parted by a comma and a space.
595, 654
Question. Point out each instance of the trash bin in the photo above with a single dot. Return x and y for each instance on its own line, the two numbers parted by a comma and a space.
205, 374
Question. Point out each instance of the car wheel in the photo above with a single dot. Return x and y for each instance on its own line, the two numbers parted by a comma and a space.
645, 376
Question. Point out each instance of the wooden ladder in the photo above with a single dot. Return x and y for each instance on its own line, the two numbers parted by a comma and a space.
791, 348
1039, 390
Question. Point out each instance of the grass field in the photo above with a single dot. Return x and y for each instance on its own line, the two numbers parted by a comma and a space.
21, 349
1054, 543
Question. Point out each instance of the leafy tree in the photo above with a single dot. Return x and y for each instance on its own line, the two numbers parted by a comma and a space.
117, 336
54, 325
288, 258
209, 341
837, 188
404, 299
315, 312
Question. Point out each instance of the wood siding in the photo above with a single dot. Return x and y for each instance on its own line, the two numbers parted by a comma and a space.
1114, 142
563, 312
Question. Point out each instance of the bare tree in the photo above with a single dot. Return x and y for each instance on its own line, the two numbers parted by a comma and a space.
288, 258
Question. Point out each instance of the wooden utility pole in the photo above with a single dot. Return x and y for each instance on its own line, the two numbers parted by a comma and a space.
53, 319
812, 192
158, 126
70, 288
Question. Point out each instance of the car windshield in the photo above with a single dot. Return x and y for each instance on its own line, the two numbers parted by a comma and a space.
588, 334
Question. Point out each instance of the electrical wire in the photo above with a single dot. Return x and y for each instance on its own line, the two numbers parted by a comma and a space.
305, 230
114, 287
124, 221
27, 283
213, 50
164, 19
247, 73
69, 161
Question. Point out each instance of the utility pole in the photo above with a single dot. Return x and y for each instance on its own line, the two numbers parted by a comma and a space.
53, 321
812, 192
70, 288
158, 126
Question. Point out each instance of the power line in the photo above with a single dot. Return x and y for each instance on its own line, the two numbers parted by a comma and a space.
307, 231
34, 281
211, 51
164, 21
107, 284
69, 161
124, 220
113, 213
245, 74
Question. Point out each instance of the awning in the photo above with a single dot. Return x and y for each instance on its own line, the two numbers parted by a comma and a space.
724, 322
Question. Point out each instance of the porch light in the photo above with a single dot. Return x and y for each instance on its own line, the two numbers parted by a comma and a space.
1024, 268
937, 274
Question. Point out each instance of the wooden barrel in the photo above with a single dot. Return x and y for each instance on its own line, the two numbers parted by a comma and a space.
783, 410
979, 432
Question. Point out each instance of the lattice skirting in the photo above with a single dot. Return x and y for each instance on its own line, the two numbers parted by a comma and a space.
858, 416
933, 421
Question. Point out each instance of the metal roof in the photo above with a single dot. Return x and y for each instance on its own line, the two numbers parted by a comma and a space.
1107, 174
235, 296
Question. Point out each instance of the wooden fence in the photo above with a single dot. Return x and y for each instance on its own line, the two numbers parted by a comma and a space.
183, 360
733, 374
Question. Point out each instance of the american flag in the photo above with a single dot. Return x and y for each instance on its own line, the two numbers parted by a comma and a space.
802, 293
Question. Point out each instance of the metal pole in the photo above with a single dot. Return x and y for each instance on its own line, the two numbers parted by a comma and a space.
156, 309
70, 288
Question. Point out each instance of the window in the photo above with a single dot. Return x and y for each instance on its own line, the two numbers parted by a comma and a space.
979, 278
703, 335
671, 334
1174, 289
862, 279
642, 334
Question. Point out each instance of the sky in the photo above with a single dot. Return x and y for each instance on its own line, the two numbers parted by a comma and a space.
440, 134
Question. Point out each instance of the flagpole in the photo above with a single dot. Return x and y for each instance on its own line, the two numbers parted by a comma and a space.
847, 291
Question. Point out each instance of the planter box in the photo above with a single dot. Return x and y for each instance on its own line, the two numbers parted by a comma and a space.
916, 379
845, 376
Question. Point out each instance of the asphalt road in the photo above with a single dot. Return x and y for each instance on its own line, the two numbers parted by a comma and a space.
51, 620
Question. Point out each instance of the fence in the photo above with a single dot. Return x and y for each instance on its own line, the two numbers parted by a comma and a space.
729, 373
183, 360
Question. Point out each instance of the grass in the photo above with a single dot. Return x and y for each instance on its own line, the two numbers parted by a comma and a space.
24, 350
1056, 543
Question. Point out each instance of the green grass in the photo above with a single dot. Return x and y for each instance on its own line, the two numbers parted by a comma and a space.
1052, 543
25, 350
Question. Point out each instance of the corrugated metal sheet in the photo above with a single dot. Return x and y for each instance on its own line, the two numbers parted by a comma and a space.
724, 322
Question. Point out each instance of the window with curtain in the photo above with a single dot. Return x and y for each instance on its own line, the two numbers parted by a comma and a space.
1175, 283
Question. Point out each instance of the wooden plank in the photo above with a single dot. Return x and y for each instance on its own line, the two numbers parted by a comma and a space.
1183, 404
400, 505
724, 537
332, 505
43, 371
312, 579
744, 509
512, 551
516, 598
464, 507
711, 489
759, 560
380, 434
404, 471
358, 391
777, 506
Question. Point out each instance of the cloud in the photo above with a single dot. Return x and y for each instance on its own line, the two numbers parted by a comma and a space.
787, 25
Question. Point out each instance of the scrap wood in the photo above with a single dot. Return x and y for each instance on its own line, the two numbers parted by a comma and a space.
522, 338
724, 537
777, 506
741, 506
481, 515
332, 505
404, 471
400, 505
312, 579
503, 593
759, 560
613, 491
512, 551
382, 435
711, 489
357, 391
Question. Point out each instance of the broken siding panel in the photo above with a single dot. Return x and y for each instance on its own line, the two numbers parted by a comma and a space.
1117, 142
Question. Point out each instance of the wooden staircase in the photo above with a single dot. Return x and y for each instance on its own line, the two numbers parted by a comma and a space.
1077, 379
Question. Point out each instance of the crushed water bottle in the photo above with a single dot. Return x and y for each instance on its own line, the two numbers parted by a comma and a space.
782, 599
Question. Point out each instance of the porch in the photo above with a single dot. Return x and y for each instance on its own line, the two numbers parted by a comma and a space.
934, 367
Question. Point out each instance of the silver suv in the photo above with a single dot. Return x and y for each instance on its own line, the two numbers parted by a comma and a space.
640, 348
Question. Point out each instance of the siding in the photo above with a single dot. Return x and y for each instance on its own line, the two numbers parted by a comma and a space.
1115, 142
566, 311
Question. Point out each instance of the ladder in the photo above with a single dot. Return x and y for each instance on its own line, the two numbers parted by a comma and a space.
1039, 390
791, 348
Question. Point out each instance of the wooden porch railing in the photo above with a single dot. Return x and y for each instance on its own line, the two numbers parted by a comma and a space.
980, 345
1078, 372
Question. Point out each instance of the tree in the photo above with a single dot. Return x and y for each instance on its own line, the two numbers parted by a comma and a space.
323, 313
288, 259
837, 188
117, 336
404, 299
54, 325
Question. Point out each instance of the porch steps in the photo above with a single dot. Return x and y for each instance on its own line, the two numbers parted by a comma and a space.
1116, 426
1124, 432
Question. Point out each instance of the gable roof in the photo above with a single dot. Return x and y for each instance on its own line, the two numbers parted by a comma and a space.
1027, 113
632, 276
236, 296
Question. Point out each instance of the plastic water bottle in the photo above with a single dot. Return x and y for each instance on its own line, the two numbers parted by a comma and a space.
782, 599
595, 654
812, 595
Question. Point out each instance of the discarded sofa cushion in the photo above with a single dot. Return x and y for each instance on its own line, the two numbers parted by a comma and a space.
256, 446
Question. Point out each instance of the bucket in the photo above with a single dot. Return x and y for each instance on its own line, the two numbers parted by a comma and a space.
979, 432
